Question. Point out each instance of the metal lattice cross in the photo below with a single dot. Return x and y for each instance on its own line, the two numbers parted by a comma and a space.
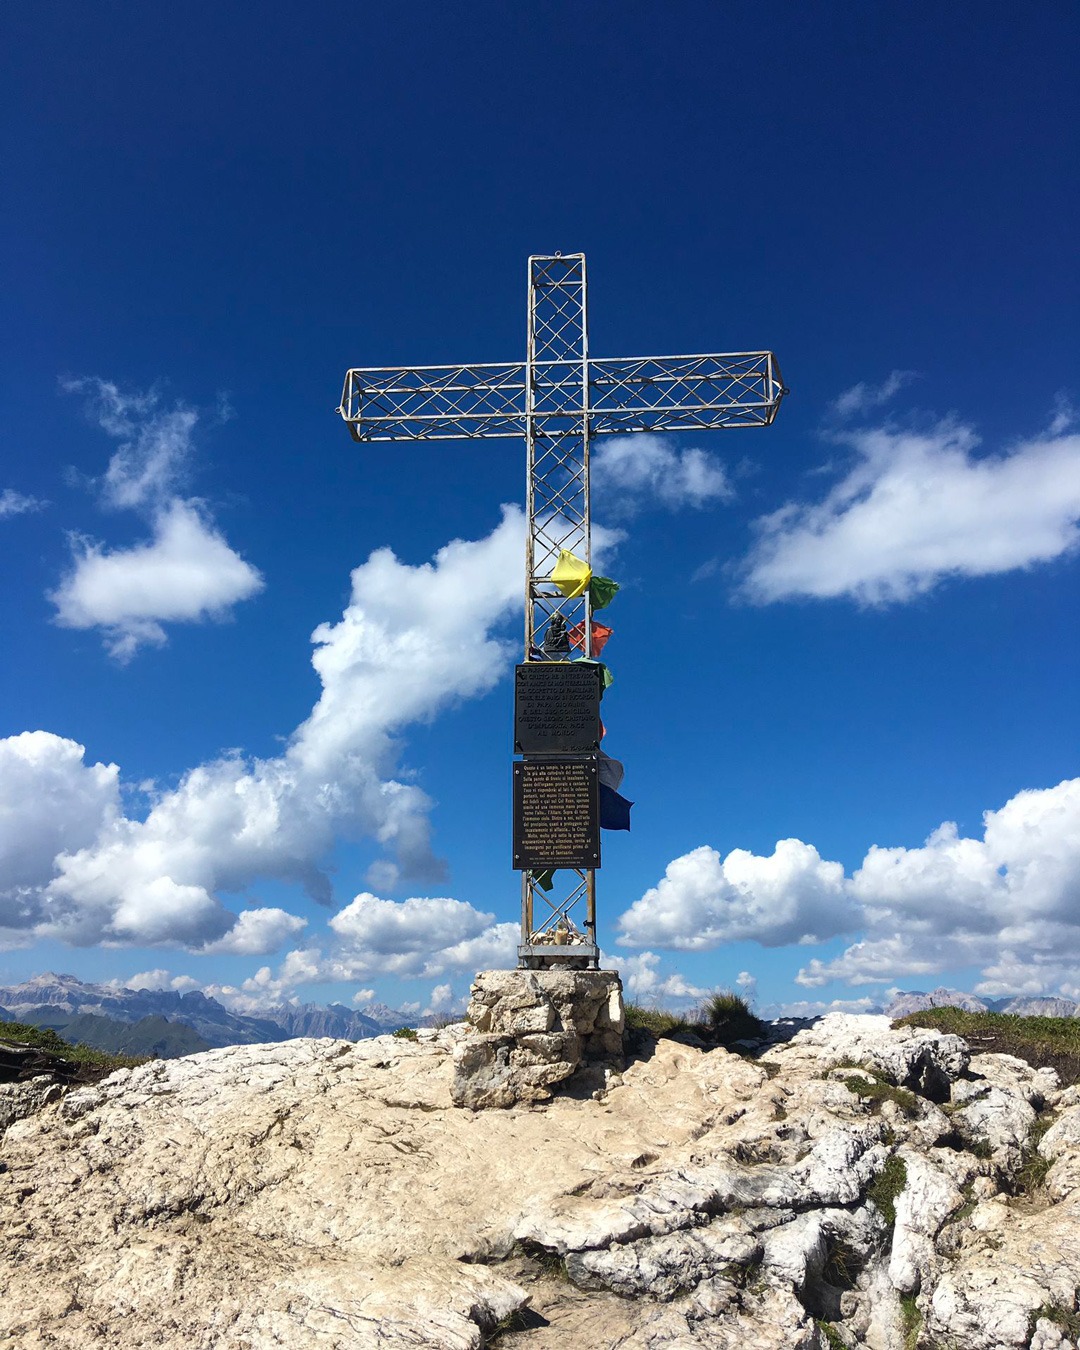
559, 399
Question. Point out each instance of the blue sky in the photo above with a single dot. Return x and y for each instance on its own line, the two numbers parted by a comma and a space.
859, 626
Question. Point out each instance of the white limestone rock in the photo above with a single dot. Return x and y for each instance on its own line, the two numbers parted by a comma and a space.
325, 1195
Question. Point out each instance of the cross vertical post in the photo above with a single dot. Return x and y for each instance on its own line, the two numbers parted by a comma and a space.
557, 434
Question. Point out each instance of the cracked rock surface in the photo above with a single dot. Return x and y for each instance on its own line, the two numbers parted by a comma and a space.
323, 1194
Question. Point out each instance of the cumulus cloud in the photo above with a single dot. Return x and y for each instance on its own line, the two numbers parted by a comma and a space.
703, 900
915, 508
411, 641
257, 932
14, 503
441, 1000
627, 472
156, 979
863, 398
363, 997
1008, 902
51, 802
643, 979
185, 574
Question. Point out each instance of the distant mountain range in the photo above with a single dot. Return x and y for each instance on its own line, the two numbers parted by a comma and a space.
909, 1001
163, 1022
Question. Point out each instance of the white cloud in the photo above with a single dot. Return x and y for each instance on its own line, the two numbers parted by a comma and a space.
747, 983
257, 932
644, 981
411, 641
50, 802
627, 472
14, 503
419, 936
155, 443
441, 1000
861, 398
703, 900
156, 979
187, 573
917, 508
363, 997
1007, 903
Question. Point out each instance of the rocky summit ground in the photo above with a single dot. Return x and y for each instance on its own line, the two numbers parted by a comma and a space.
858, 1185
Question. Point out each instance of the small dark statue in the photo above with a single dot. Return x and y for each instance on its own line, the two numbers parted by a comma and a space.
556, 643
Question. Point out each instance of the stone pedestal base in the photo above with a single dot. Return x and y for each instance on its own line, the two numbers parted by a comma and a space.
532, 1029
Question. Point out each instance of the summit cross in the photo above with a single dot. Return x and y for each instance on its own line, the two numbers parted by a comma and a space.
558, 399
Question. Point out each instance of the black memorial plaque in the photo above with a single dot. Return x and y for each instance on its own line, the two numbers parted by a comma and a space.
556, 813
557, 708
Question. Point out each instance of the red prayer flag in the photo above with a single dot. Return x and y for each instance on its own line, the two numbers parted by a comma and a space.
600, 635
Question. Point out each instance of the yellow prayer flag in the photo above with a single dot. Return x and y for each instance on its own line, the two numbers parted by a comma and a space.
571, 575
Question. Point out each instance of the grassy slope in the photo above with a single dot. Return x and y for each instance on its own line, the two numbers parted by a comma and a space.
1052, 1042
81, 1063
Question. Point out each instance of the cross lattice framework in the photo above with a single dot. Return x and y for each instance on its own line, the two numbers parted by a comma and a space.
559, 399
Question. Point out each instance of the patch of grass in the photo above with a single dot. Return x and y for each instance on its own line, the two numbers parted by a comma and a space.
86, 1063
875, 1088
833, 1339
911, 1319
521, 1319
722, 1019
886, 1186
842, 1268
1068, 1319
1031, 1173
727, 1017
1044, 1042
405, 1033
548, 1262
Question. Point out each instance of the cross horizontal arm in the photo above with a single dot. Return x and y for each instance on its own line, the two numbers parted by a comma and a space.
435, 403
646, 393
684, 393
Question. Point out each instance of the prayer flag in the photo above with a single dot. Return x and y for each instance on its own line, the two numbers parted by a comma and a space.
571, 575
600, 635
606, 677
610, 770
614, 810
602, 591
544, 880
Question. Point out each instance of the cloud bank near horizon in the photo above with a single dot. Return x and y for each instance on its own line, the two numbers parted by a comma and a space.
1007, 903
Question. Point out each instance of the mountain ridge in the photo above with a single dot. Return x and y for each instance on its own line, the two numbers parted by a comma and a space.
51, 999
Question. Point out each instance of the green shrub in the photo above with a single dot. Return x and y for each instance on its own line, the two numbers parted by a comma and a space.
728, 1018
405, 1033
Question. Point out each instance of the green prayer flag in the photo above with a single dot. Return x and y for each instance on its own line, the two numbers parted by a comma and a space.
602, 591
545, 880
606, 677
